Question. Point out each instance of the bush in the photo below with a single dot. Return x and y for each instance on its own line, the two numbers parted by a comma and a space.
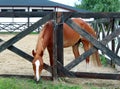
103, 60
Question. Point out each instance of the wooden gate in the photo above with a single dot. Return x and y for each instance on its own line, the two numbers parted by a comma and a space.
59, 69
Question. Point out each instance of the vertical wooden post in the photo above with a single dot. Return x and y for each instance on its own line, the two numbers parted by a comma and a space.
28, 21
58, 44
113, 41
54, 69
60, 37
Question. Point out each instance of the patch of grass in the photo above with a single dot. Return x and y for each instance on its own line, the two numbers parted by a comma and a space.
25, 83
103, 60
9, 33
18, 83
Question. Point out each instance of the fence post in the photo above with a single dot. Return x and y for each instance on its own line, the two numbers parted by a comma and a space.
57, 44
113, 41
60, 43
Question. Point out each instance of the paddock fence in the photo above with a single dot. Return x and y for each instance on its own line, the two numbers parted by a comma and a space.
110, 33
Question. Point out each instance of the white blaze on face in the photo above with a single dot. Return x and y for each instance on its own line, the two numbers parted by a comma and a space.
37, 64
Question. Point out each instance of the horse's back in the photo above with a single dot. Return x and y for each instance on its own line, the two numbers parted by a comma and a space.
84, 25
70, 36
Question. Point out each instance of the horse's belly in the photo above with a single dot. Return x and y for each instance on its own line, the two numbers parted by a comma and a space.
71, 41
70, 36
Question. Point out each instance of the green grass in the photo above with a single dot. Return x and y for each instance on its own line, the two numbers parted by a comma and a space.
23, 83
103, 60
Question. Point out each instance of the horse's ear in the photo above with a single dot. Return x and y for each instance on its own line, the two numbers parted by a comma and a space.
33, 53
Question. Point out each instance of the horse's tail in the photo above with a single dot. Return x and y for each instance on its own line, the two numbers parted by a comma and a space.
95, 58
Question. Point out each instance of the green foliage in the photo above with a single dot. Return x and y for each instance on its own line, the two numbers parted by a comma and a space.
103, 60
17, 83
25, 83
100, 5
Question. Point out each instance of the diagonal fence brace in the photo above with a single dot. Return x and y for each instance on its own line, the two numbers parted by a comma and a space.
25, 32
29, 58
93, 49
24, 55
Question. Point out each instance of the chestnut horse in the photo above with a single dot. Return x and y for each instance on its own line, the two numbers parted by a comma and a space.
70, 38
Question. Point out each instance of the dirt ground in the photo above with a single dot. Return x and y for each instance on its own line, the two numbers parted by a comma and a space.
10, 63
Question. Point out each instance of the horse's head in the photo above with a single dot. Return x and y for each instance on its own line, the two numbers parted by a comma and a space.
37, 65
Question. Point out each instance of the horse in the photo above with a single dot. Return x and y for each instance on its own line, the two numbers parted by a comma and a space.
70, 38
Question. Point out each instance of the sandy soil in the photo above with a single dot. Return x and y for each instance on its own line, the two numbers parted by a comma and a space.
11, 63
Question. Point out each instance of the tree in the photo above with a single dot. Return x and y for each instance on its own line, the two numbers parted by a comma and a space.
100, 5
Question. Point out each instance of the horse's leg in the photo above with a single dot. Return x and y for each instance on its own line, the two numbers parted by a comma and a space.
86, 46
50, 51
75, 49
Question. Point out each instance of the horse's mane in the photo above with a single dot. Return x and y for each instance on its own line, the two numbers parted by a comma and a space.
40, 43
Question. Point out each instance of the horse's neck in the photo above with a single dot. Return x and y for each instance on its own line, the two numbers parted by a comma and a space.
39, 48
44, 38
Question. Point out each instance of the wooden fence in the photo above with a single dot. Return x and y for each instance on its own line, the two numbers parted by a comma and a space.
59, 69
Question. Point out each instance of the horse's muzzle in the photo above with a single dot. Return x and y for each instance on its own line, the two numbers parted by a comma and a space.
37, 81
